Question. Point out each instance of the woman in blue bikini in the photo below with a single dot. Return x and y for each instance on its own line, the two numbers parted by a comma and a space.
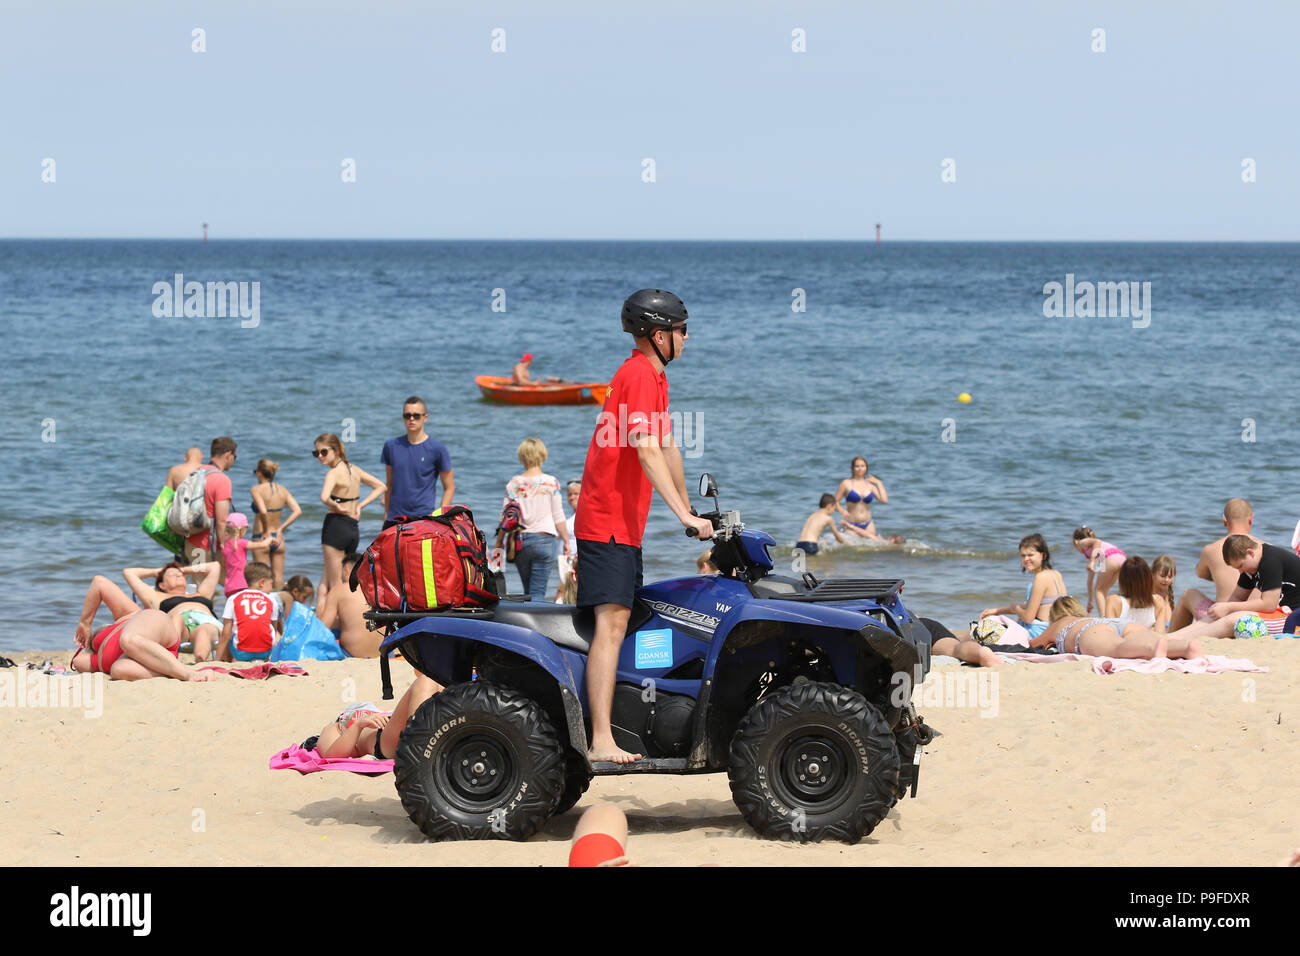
1044, 587
1073, 632
859, 491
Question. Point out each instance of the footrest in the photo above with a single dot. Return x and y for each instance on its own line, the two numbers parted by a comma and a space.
644, 765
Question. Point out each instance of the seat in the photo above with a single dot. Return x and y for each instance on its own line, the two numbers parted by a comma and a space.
563, 624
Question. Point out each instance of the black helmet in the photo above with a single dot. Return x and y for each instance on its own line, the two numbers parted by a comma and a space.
648, 310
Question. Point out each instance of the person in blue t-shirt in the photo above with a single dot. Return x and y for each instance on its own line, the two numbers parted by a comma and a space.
415, 462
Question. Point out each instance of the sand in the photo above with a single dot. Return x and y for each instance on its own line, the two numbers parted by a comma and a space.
1062, 766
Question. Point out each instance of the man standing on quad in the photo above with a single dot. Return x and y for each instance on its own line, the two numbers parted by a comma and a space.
631, 452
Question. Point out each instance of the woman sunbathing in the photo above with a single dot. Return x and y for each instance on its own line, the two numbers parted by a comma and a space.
168, 595
139, 644
364, 730
1073, 633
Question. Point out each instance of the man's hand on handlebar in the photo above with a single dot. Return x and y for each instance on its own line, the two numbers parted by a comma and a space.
697, 527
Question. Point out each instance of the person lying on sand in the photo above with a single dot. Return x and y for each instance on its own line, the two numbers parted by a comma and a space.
1073, 633
364, 730
139, 644
951, 644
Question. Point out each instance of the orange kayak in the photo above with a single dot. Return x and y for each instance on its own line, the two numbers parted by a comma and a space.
501, 389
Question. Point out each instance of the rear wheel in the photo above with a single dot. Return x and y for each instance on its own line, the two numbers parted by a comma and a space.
478, 762
577, 777
813, 761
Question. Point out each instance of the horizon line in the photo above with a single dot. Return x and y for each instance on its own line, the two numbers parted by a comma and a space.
866, 240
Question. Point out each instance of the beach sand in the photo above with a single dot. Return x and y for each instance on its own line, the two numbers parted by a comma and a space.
1072, 768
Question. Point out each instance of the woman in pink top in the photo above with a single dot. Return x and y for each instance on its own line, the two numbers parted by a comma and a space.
538, 497
1104, 562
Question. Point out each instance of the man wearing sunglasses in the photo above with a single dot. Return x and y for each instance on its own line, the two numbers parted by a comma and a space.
414, 463
631, 454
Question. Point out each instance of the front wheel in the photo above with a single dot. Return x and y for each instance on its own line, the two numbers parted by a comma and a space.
813, 761
479, 762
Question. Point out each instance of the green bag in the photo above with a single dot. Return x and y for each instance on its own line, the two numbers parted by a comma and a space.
155, 523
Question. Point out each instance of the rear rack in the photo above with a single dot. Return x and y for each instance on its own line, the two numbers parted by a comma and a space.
379, 619
849, 589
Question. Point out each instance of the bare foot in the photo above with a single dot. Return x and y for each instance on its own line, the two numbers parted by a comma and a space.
611, 754
203, 675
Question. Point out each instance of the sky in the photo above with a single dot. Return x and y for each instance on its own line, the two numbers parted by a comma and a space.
1039, 136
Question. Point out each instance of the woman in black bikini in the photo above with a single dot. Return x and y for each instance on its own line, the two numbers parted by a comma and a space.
341, 495
168, 595
269, 502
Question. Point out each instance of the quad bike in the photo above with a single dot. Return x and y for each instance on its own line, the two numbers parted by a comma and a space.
798, 689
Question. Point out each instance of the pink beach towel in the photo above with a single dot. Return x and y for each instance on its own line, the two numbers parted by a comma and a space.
260, 671
1113, 665
310, 761
1197, 665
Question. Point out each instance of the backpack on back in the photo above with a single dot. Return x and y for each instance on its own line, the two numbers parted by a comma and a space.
427, 564
187, 515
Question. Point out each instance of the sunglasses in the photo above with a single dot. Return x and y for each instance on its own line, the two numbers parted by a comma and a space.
677, 328
411, 416
320, 452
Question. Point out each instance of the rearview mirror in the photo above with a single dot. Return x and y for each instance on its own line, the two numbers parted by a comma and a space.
708, 487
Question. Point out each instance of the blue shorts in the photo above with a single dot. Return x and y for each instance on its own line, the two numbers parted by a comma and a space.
239, 655
608, 573
808, 547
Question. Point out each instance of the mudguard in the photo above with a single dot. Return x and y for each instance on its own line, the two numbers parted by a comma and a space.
906, 653
434, 655
432, 644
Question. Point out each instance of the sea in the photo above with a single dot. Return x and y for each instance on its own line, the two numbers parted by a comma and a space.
801, 356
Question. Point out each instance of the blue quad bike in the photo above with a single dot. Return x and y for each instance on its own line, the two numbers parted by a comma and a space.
798, 689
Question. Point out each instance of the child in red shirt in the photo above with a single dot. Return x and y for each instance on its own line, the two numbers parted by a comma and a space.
248, 629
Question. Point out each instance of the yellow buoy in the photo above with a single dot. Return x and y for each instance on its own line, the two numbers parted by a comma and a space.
964, 398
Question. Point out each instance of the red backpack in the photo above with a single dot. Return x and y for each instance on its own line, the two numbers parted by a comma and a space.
427, 564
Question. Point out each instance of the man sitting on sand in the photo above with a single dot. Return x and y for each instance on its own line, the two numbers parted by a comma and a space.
817, 523
343, 614
1273, 572
1195, 606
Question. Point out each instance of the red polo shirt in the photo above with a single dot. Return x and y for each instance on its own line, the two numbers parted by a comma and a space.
616, 493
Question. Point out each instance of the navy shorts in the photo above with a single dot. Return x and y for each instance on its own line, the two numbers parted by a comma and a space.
808, 547
608, 573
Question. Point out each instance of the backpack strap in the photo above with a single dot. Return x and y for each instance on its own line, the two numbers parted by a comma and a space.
385, 678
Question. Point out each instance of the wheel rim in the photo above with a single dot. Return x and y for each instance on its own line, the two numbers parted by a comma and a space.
815, 771
479, 771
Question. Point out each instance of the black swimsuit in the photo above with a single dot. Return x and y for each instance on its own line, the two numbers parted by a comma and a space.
340, 531
167, 605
